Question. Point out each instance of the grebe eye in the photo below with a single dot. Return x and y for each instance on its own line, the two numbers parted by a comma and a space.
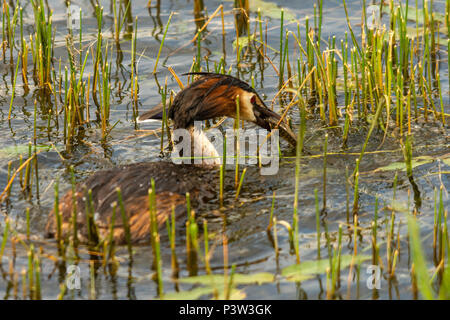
253, 99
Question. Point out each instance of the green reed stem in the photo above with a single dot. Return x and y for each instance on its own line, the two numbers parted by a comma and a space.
31, 283
281, 69
237, 127
356, 190
27, 214
300, 137
126, 225
206, 246
271, 211
325, 150
230, 283
58, 218
13, 90
5, 238
162, 42
420, 267
37, 273
240, 184
316, 197
221, 185
111, 233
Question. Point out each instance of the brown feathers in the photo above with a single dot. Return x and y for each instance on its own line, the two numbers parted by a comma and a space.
171, 183
206, 98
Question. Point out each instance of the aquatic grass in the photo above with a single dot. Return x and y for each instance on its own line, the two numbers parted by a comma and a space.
281, 66
392, 77
285, 62
335, 266
198, 58
24, 165
105, 110
319, 26
441, 101
74, 103
133, 74
206, 247
193, 227
8, 178
4, 239
192, 246
236, 127
439, 229
74, 210
375, 246
13, 91
43, 43
37, 276
28, 180
162, 42
163, 92
229, 288
58, 220
109, 255
155, 238
436, 226
126, 225
171, 231
27, 219
390, 237
30, 272
118, 25
325, 149
92, 276
98, 58
316, 197
240, 184
272, 207
275, 238
221, 181
356, 190
4, 37
11, 28
354, 256
92, 230
35, 158
299, 149
419, 262
24, 283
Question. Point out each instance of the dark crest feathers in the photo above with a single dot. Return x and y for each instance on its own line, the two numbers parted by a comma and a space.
192, 103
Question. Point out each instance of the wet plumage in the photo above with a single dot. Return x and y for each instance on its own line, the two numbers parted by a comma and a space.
212, 95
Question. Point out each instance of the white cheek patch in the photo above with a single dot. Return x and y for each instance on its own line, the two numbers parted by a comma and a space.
246, 107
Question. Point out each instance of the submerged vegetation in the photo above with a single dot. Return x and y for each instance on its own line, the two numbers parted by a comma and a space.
381, 83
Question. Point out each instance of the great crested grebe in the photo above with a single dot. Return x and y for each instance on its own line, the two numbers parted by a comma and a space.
211, 96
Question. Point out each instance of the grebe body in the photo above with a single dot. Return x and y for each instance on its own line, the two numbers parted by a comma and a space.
211, 96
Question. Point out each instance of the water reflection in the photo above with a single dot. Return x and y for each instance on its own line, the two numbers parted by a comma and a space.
157, 23
254, 66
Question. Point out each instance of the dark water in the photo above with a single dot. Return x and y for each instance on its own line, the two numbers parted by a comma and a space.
250, 247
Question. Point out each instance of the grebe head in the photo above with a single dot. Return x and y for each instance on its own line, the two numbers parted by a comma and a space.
214, 95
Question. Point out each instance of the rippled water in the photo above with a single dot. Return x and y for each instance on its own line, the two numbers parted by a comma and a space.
250, 248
